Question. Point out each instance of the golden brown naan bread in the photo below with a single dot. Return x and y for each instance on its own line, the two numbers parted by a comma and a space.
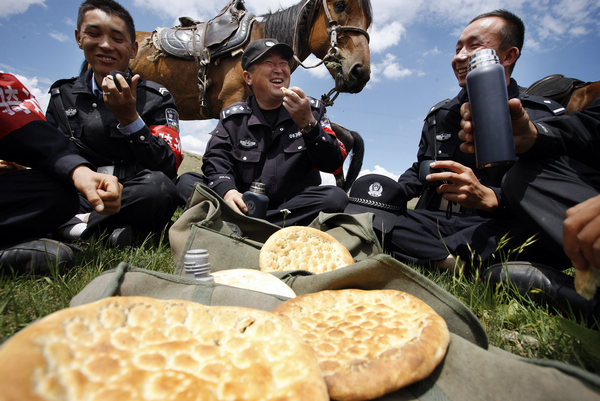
255, 280
137, 348
303, 248
587, 281
369, 343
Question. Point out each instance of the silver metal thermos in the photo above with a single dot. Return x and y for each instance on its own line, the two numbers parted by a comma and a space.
492, 129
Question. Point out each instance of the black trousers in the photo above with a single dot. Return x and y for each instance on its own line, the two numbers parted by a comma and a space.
303, 207
148, 202
539, 192
33, 204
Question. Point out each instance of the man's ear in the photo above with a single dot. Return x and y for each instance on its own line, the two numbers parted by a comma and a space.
510, 56
247, 77
134, 50
78, 38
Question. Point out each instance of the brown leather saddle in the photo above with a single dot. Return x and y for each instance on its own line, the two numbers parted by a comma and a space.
195, 40
556, 87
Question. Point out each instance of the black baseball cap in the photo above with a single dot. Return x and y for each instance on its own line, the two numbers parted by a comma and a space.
380, 195
260, 47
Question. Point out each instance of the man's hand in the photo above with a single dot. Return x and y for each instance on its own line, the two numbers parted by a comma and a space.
524, 131
234, 199
297, 104
462, 186
103, 191
121, 103
581, 233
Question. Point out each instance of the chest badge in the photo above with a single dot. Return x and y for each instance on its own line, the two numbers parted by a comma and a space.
71, 112
443, 136
247, 143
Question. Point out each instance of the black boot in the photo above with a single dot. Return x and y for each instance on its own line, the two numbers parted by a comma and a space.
36, 257
555, 288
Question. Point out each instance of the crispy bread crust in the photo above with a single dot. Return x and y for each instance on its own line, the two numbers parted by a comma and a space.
303, 248
369, 343
253, 280
137, 348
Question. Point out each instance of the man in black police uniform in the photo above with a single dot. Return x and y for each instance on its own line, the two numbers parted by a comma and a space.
279, 137
35, 201
131, 133
460, 210
554, 188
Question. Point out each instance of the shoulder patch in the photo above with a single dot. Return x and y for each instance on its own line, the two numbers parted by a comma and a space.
61, 82
157, 87
314, 103
556, 108
236, 108
437, 106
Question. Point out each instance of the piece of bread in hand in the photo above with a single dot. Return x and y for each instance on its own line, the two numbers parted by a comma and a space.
587, 281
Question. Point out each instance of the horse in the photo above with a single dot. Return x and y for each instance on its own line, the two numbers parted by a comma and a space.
332, 30
572, 93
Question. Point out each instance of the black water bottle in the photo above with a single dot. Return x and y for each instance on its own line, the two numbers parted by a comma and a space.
256, 200
492, 130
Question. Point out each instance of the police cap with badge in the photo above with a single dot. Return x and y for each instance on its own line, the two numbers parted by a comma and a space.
380, 195
257, 49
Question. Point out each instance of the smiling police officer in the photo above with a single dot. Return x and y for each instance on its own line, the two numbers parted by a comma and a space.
279, 137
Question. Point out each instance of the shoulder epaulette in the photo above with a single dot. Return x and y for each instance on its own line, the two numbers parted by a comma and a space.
60, 82
236, 108
556, 108
156, 87
436, 107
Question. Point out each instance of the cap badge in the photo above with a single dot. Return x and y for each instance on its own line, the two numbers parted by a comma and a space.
269, 43
375, 190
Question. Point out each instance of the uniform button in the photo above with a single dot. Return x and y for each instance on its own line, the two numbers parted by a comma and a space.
324, 139
299, 147
94, 105
439, 152
281, 129
142, 138
130, 141
244, 158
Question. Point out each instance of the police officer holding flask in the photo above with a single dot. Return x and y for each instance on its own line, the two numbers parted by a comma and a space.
461, 210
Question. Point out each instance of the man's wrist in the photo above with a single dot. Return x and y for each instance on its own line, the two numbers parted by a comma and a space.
309, 127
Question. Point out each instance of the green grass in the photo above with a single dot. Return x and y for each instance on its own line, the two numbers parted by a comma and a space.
513, 323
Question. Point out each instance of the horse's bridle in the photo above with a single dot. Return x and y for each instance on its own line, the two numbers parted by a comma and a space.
332, 56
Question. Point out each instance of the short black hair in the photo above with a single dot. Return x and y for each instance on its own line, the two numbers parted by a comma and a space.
513, 34
110, 7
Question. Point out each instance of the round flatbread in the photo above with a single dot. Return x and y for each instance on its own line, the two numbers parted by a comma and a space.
303, 248
137, 348
255, 280
369, 343
587, 281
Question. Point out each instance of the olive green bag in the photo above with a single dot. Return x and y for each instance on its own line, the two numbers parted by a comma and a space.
471, 370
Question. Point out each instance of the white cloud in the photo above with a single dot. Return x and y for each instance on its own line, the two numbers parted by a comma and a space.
433, 52
10, 7
381, 171
320, 71
389, 68
61, 37
195, 135
385, 36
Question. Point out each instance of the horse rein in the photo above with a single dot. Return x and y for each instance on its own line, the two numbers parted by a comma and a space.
334, 30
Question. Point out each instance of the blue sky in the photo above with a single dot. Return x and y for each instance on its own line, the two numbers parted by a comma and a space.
412, 43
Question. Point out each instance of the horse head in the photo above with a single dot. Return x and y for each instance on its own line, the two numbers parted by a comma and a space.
337, 34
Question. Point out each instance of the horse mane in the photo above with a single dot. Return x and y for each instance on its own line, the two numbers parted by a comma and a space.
278, 23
